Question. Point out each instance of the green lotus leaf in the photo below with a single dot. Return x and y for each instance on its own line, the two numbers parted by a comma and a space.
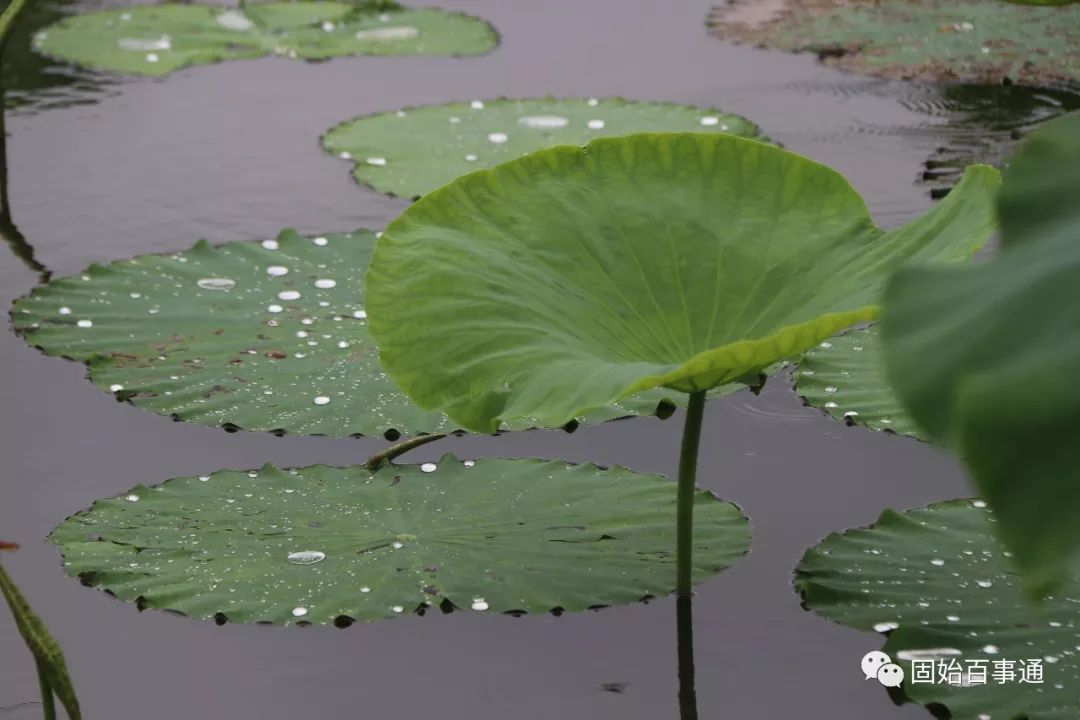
845, 377
984, 357
574, 277
941, 585
411, 152
158, 39
986, 41
328, 545
268, 336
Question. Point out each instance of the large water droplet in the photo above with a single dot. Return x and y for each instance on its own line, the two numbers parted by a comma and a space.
325, 283
883, 627
428, 467
402, 32
397, 608
216, 283
85, 323
498, 138
596, 124
232, 20
145, 44
288, 295
544, 122
376, 161
305, 557
64, 311
321, 400
928, 653
991, 649
299, 611
270, 244
277, 270
937, 562
479, 603
132, 497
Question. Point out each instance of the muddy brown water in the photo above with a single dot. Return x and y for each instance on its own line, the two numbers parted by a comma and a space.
102, 168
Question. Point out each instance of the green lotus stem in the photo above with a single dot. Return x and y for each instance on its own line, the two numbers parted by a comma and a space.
7, 19
48, 705
376, 460
684, 527
684, 613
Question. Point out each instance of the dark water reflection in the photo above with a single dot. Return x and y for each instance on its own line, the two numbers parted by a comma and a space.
33, 82
100, 169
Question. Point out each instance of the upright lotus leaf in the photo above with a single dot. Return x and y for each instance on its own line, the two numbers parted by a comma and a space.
939, 582
411, 152
49, 658
329, 545
984, 357
574, 277
158, 39
268, 336
845, 377
972, 40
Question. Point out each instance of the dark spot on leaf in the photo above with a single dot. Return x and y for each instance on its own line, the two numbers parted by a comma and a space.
342, 621
277, 355
392, 435
220, 618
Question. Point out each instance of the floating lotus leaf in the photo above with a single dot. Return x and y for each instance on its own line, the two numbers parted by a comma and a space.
845, 377
328, 545
985, 357
268, 336
972, 40
574, 277
943, 587
158, 39
413, 151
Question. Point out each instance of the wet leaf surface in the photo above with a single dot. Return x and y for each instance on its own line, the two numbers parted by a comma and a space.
261, 336
158, 39
943, 587
411, 152
970, 40
329, 545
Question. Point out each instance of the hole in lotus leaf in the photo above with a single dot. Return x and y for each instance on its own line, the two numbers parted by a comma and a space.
214, 357
499, 530
158, 39
940, 584
969, 40
423, 148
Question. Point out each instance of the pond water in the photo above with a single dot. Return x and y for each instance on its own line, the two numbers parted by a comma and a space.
101, 168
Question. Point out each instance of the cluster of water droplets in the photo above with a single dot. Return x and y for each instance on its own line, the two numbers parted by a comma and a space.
943, 569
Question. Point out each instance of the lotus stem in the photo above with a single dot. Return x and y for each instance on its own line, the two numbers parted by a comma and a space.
687, 694
48, 705
376, 460
7, 19
684, 527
